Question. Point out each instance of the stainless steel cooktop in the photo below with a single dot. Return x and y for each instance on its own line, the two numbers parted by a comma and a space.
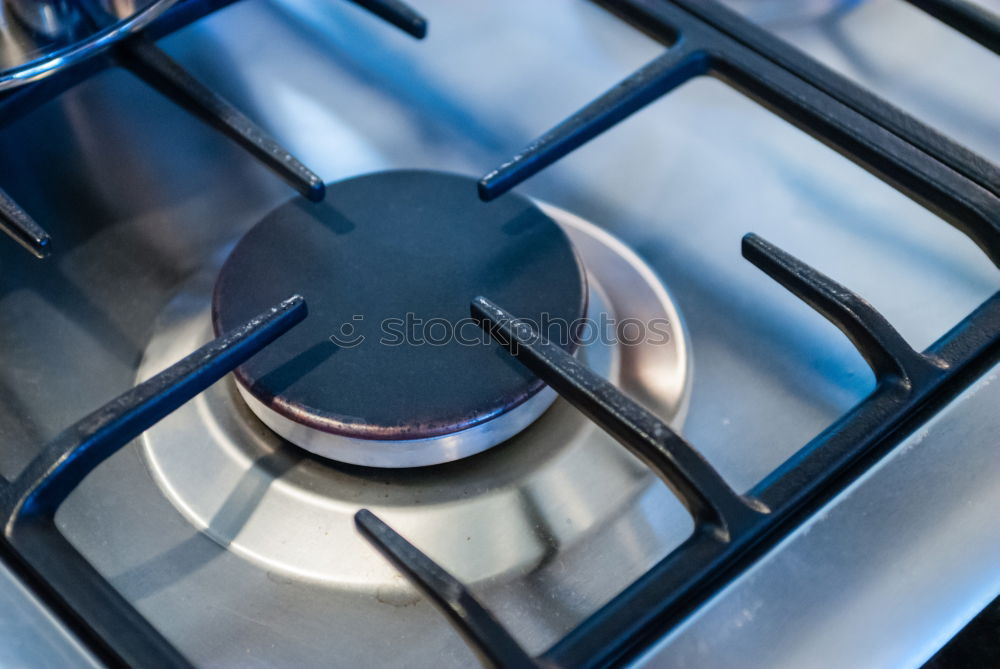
143, 199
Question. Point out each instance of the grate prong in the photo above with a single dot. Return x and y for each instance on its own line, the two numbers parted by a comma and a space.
658, 77
398, 14
495, 646
974, 21
888, 354
111, 625
722, 19
64, 462
20, 227
696, 483
147, 61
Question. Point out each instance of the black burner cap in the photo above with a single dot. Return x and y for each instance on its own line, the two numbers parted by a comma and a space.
380, 247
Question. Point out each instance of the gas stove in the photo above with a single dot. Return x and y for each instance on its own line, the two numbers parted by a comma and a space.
322, 426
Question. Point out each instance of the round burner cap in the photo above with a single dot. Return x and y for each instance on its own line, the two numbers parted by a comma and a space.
388, 369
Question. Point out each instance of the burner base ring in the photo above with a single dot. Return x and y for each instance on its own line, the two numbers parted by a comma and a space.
540, 497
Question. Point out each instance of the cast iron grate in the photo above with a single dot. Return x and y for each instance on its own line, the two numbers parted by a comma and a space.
111, 627
705, 38
731, 529
140, 55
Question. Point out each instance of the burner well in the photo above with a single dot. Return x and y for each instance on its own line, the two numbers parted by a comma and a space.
389, 370
540, 500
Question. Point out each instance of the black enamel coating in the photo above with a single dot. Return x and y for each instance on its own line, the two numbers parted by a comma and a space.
970, 18
706, 38
32, 544
703, 491
147, 61
383, 246
480, 628
140, 55
21, 228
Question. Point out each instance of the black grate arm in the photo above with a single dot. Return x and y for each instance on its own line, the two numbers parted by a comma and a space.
63, 463
678, 64
721, 18
92, 608
495, 646
702, 490
20, 227
888, 354
148, 62
102, 617
398, 14
975, 22
751, 61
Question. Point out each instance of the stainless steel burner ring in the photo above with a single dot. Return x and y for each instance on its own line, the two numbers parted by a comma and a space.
539, 494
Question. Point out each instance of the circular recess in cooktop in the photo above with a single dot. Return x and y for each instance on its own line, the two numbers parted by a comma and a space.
562, 491
388, 369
